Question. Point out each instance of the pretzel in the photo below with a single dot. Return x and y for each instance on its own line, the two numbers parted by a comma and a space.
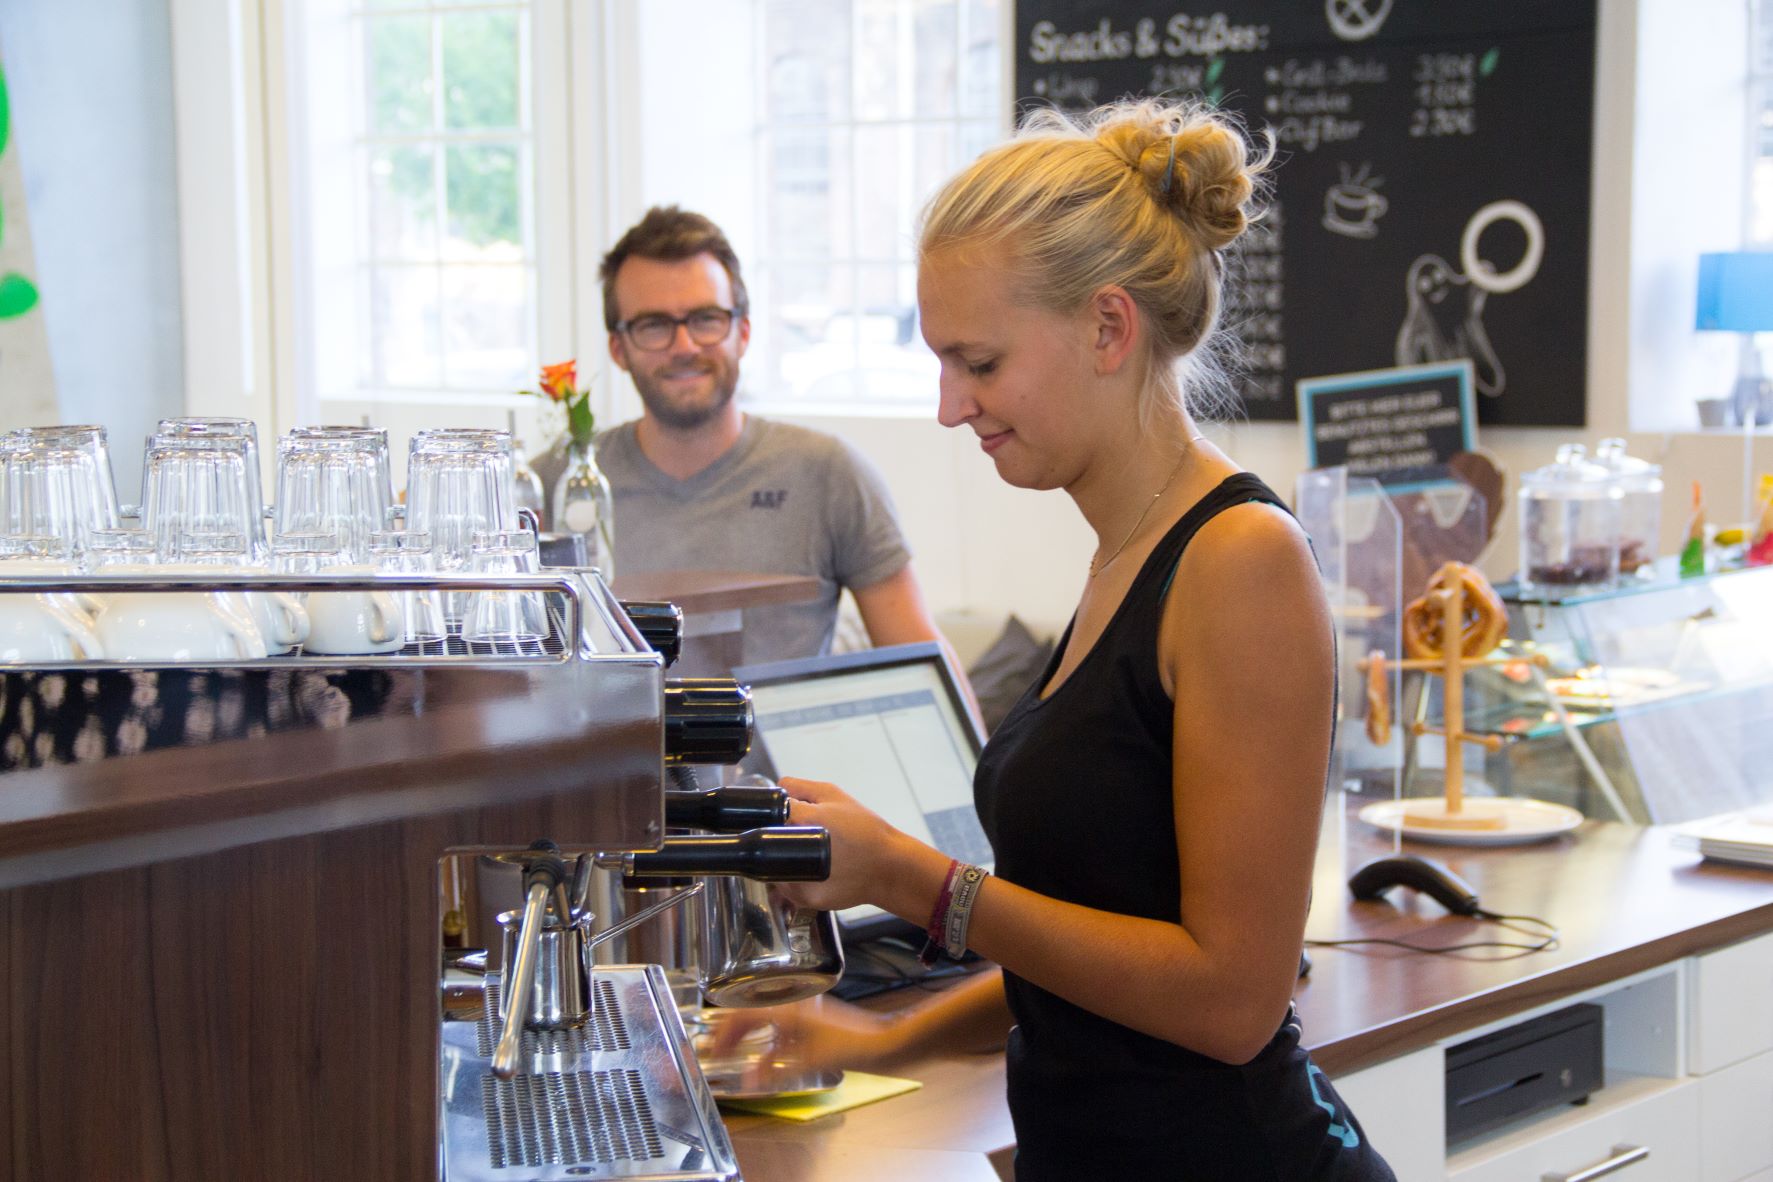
1485, 618
1378, 700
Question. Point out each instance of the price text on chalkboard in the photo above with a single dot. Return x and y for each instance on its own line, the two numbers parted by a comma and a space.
1431, 188
1399, 426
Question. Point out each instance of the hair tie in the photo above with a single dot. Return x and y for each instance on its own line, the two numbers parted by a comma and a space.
1170, 168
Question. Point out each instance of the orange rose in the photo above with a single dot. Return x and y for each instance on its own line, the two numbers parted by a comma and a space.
558, 381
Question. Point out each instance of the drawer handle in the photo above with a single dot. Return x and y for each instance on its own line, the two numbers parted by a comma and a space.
1623, 1155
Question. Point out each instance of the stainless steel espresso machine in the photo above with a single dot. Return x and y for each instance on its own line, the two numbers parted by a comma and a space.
343, 806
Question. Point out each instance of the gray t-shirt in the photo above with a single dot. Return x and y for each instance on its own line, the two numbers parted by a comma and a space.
782, 500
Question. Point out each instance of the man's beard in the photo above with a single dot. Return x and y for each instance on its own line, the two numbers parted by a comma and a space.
678, 416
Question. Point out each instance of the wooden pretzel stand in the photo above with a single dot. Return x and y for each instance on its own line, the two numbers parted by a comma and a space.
1457, 625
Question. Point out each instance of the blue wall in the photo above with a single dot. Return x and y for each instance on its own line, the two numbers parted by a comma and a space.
92, 122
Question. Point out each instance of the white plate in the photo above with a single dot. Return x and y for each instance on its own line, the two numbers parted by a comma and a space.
1523, 820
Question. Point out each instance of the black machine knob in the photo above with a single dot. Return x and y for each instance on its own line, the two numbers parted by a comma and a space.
787, 854
726, 810
707, 720
659, 624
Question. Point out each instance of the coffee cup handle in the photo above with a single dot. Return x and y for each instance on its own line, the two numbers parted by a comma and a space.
388, 618
291, 618
249, 643
80, 629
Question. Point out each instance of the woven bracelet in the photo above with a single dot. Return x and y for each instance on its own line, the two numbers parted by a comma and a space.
936, 934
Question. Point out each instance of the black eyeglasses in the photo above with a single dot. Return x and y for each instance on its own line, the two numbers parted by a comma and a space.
655, 331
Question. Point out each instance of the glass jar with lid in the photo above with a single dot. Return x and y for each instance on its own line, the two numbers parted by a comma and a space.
1570, 524
1640, 513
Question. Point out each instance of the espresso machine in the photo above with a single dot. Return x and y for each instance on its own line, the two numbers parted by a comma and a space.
296, 841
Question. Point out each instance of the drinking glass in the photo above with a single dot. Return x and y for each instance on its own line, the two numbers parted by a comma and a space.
505, 617
88, 438
107, 549
459, 485
193, 427
60, 494
200, 483
408, 552
308, 553
335, 480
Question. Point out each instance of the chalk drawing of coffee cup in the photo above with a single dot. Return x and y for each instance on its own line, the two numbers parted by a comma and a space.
1351, 207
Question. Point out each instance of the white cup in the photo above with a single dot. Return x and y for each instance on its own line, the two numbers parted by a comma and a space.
45, 627
37, 628
354, 622
281, 619
175, 626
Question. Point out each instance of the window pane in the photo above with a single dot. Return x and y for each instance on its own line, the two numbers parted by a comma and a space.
982, 63
480, 70
881, 74
400, 73
806, 185
483, 203
935, 87
403, 340
486, 327
402, 204
807, 60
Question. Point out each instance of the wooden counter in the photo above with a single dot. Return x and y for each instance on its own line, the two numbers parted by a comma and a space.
1625, 900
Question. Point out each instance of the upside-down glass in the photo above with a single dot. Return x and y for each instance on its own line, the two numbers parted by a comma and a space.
505, 617
84, 437
331, 480
220, 428
200, 483
308, 553
408, 552
59, 493
458, 484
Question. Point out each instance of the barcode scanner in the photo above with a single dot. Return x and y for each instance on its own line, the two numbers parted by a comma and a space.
1419, 874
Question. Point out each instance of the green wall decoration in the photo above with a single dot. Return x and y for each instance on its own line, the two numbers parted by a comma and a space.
18, 295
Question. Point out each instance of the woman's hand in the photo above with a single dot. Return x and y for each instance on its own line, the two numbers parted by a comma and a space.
813, 1035
871, 862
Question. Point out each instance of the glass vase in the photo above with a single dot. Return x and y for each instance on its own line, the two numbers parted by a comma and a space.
583, 506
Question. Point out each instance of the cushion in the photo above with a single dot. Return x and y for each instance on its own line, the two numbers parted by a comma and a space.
1013, 662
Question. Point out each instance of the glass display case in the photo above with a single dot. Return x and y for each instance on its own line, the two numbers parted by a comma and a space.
1656, 704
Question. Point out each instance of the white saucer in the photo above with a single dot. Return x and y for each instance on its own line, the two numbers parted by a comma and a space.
1523, 820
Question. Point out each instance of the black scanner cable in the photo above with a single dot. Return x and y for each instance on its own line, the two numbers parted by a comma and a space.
1432, 878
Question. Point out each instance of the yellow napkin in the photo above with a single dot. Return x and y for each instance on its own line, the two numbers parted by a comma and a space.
858, 1088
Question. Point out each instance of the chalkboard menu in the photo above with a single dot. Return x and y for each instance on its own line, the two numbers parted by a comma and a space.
1431, 191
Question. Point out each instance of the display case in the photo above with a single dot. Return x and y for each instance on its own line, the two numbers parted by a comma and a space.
1655, 706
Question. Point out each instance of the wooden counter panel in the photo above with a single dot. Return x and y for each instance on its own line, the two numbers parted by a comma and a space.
696, 591
263, 1012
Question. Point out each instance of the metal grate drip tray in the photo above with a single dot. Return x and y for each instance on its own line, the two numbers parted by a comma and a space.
621, 1098
581, 1118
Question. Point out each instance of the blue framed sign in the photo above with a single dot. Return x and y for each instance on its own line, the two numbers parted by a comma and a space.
1399, 426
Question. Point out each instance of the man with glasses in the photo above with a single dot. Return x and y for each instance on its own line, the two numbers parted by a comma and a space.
699, 484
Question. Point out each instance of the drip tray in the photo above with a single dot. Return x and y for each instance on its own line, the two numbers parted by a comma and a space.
622, 1097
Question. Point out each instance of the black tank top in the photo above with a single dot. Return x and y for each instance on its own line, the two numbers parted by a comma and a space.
1075, 794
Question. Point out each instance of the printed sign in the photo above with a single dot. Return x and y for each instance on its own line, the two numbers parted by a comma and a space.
1399, 426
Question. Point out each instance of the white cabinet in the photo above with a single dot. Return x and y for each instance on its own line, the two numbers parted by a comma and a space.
1730, 1015
1657, 1119
1736, 1120
1400, 1107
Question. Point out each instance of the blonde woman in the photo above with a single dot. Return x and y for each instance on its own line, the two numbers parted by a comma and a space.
1153, 801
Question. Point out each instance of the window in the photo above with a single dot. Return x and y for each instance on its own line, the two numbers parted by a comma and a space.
1760, 123
864, 108
417, 250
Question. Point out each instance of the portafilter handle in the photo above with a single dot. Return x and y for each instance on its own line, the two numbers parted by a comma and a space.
734, 808
660, 624
543, 871
707, 720
783, 854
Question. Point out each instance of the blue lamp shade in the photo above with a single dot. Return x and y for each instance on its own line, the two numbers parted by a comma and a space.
1736, 291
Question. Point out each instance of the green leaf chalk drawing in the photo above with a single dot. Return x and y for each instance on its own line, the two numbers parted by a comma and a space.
1487, 65
18, 295
1214, 69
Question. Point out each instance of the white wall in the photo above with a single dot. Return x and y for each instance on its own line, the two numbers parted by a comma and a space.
1667, 185
91, 88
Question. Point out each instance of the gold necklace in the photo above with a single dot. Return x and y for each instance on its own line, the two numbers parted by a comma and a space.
1097, 567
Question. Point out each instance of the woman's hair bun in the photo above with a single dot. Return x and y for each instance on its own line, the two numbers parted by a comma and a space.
1194, 162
